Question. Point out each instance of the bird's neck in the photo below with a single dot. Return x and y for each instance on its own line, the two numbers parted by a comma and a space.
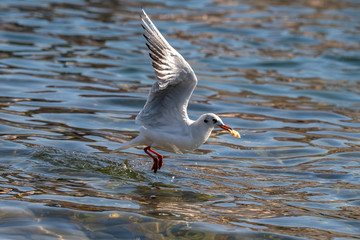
200, 132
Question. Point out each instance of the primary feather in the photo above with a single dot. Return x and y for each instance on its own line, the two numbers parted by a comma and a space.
176, 81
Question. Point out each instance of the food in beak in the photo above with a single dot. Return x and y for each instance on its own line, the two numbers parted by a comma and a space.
233, 132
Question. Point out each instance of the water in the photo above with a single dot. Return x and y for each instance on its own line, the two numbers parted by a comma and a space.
74, 74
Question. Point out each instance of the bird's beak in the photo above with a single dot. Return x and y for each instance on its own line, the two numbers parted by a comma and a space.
225, 127
233, 132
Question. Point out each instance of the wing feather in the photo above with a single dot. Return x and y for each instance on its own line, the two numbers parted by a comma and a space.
169, 96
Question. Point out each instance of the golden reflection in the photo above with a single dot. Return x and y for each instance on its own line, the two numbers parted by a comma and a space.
282, 72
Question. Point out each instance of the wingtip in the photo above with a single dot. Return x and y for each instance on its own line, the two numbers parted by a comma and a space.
146, 37
142, 13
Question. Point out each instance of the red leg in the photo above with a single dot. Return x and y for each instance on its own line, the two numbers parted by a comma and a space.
158, 162
160, 158
154, 167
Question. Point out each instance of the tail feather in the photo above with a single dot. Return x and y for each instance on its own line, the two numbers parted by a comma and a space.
133, 143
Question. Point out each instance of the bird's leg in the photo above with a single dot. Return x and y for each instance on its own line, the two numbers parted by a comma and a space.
157, 161
160, 157
154, 167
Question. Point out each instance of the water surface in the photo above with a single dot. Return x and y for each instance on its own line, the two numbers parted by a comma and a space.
74, 75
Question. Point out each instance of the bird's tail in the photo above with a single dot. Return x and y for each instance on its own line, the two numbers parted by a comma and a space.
133, 143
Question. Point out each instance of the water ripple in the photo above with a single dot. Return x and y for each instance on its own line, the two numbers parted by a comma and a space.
74, 75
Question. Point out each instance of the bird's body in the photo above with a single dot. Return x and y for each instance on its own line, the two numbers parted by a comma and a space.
177, 139
164, 119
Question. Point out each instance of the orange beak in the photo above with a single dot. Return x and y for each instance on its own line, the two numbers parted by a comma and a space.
233, 132
225, 127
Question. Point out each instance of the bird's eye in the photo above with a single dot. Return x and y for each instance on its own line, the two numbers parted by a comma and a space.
214, 121
205, 121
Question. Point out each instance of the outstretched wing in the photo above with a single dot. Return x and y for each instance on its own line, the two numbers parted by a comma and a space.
169, 96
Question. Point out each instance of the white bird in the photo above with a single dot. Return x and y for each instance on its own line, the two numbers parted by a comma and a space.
164, 119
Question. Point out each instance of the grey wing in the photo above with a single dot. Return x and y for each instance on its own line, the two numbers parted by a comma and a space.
176, 81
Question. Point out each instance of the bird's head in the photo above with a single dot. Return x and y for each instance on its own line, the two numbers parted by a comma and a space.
211, 120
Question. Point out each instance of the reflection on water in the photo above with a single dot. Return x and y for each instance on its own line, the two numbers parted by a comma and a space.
74, 74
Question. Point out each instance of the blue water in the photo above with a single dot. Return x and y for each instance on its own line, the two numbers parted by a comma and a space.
74, 75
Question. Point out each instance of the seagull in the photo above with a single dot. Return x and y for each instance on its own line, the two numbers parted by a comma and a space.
164, 118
